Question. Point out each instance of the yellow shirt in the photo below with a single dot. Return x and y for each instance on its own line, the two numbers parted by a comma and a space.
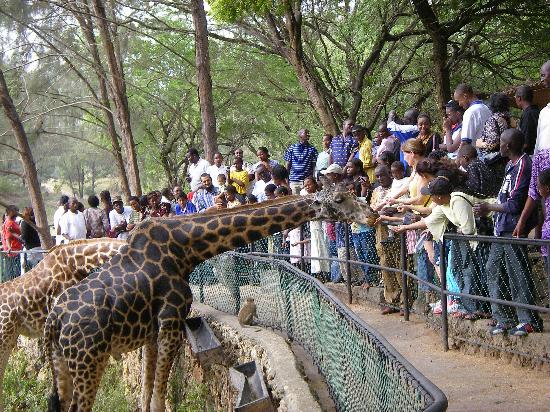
365, 155
243, 177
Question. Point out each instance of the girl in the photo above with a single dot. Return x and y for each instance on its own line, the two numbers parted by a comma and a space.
430, 139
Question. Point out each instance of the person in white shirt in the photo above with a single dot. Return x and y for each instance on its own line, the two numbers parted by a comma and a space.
197, 167
475, 116
63, 205
218, 168
323, 158
72, 225
543, 127
118, 218
399, 180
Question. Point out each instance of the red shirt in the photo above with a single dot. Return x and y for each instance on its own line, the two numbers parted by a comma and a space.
10, 228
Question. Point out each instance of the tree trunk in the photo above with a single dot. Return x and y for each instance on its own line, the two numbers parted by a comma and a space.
31, 175
202, 62
441, 71
86, 24
120, 98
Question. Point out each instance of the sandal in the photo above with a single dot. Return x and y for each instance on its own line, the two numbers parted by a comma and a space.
459, 315
472, 316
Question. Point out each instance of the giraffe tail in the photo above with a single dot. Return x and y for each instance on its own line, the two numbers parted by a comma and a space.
51, 336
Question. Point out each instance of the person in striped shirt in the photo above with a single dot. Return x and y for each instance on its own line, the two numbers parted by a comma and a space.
300, 161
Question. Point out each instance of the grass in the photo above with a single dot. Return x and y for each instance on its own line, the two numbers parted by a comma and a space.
25, 391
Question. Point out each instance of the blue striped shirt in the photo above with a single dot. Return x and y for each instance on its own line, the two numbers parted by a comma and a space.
342, 148
302, 158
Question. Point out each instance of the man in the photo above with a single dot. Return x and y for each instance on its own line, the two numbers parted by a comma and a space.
508, 269
452, 127
543, 128
119, 218
218, 168
63, 206
405, 131
197, 167
176, 193
238, 153
475, 116
72, 225
386, 142
204, 197
342, 146
300, 161
364, 150
529, 117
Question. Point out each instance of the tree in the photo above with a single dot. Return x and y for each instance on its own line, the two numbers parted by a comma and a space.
204, 80
27, 160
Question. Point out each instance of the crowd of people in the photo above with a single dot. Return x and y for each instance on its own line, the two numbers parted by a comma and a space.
483, 174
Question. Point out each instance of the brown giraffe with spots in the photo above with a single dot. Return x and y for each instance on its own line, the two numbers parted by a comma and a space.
25, 301
141, 297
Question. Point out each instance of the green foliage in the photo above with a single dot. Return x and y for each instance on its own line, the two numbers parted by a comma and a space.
23, 391
231, 10
185, 394
110, 396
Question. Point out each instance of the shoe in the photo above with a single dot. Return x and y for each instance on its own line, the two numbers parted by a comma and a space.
499, 329
436, 308
523, 329
388, 311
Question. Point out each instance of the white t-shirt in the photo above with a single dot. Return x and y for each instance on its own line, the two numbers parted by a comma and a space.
73, 225
473, 121
57, 215
116, 219
543, 130
214, 171
195, 171
397, 185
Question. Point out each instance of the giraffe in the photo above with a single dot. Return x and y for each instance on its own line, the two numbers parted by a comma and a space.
141, 297
24, 301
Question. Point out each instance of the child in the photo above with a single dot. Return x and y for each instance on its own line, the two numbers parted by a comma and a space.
269, 192
481, 181
399, 179
222, 182
239, 177
364, 242
278, 242
386, 158
184, 206
231, 197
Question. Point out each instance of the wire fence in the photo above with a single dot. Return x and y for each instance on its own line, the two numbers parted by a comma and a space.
363, 372
17, 262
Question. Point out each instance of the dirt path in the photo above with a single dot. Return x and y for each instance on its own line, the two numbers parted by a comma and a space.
471, 383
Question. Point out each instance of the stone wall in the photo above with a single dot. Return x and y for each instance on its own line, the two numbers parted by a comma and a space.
271, 352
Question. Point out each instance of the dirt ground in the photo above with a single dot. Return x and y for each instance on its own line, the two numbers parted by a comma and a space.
470, 382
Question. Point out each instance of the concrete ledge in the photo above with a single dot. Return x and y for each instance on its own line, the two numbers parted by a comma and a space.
467, 336
288, 388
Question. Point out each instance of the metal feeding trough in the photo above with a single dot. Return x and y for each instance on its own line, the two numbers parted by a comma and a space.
204, 344
252, 392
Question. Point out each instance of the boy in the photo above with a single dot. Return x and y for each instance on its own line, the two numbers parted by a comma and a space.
269, 192
185, 206
239, 177
135, 214
387, 248
118, 218
481, 181
399, 180
231, 197
508, 268
222, 182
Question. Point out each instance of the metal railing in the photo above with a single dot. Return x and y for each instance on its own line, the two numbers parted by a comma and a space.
362, 370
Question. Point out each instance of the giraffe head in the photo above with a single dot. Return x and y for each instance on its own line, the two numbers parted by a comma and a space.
334, 202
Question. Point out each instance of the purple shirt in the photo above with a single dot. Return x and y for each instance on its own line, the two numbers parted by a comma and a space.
541, 161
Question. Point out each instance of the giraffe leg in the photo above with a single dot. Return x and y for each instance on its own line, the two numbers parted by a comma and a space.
148, 367
86, 380
168, 342
7, 342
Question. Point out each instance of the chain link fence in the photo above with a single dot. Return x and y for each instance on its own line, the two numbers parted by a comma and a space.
363, 372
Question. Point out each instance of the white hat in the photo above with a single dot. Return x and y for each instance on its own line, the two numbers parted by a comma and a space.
333, 168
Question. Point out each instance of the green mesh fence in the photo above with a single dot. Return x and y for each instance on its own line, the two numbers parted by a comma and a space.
363, 372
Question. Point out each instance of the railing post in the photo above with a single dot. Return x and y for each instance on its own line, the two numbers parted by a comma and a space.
444, 315
302, 262
348, 266
404, 278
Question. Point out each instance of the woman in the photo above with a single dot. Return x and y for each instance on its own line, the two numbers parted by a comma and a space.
97, 222
489, 142
30, 239
454, 208
430, 139
355, 174
106, 207
11, 244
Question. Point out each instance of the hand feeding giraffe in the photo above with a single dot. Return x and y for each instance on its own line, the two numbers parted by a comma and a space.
24, 301
141, 297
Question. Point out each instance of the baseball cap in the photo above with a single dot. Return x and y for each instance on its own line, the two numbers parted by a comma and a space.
333, 168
